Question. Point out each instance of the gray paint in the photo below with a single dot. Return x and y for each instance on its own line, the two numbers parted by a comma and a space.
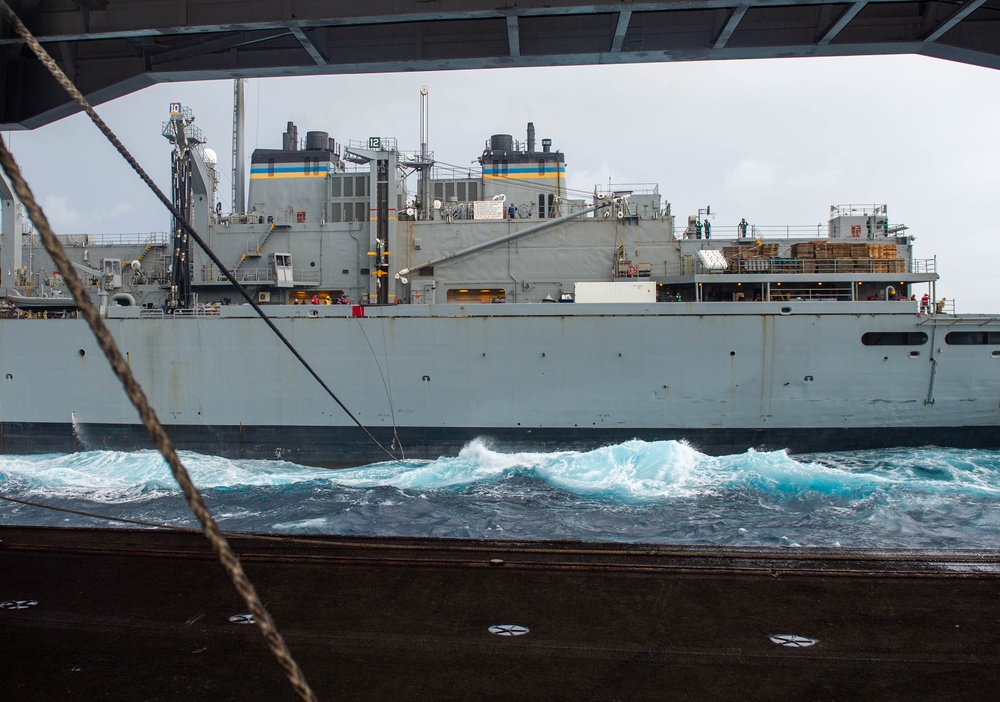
724, 372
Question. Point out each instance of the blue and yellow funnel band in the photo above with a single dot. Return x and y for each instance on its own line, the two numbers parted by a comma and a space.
289, 171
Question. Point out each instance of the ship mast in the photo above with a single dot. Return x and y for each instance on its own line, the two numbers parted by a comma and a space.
239, 185
425, 167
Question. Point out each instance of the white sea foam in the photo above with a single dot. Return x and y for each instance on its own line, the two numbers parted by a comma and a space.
315, 524
474, 463
633, 471
636, 491
116, 476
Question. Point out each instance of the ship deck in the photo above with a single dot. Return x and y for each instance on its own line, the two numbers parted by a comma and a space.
127, 615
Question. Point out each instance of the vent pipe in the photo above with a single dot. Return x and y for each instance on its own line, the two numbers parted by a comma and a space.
290, 139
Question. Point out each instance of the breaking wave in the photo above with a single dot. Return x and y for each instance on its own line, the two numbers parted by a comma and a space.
633, 491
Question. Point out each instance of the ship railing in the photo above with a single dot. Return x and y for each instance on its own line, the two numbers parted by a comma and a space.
266, 275
856, 210
133, 239
765, 233
253, 275
198, 311
304, 276
762, 264
925, 265
812, 294
67, 240
151, 313
444, 171
138, 239
631, 188
409, 158
776, 232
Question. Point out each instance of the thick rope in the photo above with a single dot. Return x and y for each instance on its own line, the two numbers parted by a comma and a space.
78, 97
156, 431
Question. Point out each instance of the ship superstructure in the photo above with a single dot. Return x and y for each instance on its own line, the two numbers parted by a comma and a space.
338, 222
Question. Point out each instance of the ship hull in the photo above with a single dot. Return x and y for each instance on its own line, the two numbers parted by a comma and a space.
724, 377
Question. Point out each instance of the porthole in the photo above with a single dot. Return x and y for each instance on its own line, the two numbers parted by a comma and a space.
894, 338
786, 310
972, 338
913, 354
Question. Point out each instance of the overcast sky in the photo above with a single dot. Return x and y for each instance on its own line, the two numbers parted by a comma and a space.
775, 141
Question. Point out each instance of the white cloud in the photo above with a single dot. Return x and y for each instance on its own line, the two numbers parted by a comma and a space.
771, 188
67, 217
62, 215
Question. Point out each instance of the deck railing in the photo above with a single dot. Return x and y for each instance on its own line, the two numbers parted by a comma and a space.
826, 265
132, 239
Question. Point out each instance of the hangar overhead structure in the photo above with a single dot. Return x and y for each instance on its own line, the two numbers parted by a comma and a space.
113, 47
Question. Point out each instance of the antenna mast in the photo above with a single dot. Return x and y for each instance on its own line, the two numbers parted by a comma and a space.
239, 187
425, 169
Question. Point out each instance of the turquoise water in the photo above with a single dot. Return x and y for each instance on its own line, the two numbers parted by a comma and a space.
644, 492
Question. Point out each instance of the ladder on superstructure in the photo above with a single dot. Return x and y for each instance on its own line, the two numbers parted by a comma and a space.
256, 253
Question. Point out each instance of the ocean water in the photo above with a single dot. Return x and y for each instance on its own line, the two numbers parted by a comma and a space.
636, 492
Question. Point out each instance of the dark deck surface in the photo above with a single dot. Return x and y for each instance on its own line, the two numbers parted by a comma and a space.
144, 615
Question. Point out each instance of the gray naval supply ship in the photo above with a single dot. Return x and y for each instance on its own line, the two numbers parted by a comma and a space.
443, 304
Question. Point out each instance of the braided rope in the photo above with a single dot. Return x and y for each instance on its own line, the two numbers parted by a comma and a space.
156, 431
149, 419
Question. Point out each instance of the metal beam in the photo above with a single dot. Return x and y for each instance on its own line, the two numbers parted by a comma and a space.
950, 23
159, 17
624, 17
731, 24
845, 19
513, 36
164, 54
314, 53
